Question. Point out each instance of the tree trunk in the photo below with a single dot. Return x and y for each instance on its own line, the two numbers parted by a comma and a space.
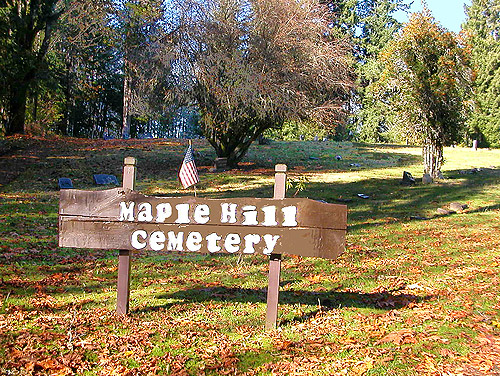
127, 98
233, 146
432, 153
17, 109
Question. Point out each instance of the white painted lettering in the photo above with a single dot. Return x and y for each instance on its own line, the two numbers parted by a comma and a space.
250, 215
228, 214
175, 242
163, 211
269, 216
135, 239
145, 212
212, 240
250, 241
270, 241
127, 212
290, 216
201, 214
193, 241
182, 213
157, 240
232, 242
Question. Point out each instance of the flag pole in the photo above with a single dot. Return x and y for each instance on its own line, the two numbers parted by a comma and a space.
191, 145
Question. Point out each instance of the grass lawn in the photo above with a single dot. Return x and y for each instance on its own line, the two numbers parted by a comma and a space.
416, 292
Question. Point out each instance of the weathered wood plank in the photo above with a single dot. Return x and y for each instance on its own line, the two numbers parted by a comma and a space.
105, 205
312, 242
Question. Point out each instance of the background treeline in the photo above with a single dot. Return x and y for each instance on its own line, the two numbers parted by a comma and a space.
144, 68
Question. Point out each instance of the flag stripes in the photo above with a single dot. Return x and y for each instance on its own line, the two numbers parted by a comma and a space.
188, 174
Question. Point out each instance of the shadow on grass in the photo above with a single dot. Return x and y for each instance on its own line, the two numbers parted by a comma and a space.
388, 198
325, 300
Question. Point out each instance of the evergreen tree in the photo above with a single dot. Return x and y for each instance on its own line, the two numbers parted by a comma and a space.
483, 27
377, 27
26, 29
370, 25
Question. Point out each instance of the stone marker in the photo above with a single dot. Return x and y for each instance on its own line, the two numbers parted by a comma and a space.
408, 179
220, 164
457, 207
427, 179
338, 158
442, 211
65, 183
103, 179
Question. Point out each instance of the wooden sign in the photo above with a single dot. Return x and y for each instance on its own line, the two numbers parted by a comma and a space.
124, 219
127, 220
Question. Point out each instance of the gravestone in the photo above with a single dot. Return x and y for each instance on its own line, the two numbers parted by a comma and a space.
408, 179
457, 207
442, 211
427, 179
103, 179
220, 164
65, 183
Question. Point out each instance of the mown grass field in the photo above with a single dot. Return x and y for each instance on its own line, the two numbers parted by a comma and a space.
415, 292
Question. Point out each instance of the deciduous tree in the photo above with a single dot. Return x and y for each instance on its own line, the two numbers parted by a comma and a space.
425, 82
253, 64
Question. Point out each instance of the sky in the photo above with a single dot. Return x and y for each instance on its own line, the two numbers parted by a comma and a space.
450, 13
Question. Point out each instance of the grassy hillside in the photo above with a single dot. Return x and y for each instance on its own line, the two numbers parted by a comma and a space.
416, 292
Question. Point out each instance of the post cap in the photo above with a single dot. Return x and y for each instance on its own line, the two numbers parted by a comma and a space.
280, 168
130, 161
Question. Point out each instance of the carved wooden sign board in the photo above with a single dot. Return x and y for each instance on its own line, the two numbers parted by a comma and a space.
124, 219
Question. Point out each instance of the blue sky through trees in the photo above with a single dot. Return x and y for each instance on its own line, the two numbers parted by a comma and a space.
450, 13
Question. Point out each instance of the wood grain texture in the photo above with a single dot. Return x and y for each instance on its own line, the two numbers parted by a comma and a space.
105, 205
310, 242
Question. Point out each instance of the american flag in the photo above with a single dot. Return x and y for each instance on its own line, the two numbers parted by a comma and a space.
188, 174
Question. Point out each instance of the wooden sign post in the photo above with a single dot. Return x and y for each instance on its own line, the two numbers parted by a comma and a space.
125, 255
124, 219
273, 286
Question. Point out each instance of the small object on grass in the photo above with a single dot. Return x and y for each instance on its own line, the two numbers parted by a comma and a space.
338, 158
457, 207
65, 183
314, 158
442, 211
343, 200
408, 179
362, 195
355, 165
427, 179
418, 218
103, 179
